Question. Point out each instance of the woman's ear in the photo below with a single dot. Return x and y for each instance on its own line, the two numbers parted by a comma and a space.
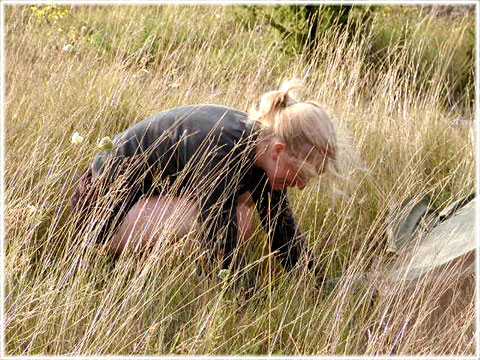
277, 149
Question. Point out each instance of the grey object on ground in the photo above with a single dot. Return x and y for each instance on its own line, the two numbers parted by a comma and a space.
438, 265
403, 221
429, 246
449, 242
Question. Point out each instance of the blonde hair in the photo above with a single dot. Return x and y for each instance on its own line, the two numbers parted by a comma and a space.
297, 124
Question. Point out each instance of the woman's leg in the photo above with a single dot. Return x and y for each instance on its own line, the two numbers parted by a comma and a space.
151, 218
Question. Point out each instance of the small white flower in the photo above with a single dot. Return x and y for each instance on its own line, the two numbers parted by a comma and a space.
68, 48
105, 143
217, 16
224, 274
174, 85
32, 208
77, 138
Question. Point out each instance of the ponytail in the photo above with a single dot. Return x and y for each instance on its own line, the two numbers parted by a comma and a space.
275, 101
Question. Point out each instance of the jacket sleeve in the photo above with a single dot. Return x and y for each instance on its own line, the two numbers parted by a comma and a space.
218, 202
279, 223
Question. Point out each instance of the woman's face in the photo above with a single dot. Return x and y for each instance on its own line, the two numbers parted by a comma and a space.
284, 171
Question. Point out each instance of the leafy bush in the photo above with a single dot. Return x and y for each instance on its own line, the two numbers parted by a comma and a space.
297, 25
426, 34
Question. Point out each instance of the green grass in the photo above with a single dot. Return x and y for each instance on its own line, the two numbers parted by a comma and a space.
64, 296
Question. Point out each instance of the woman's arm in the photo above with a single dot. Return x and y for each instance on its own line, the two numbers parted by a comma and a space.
219, 226
279, 223
217, 187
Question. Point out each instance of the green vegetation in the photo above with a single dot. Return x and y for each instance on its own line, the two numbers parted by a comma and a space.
399, 86
419, 31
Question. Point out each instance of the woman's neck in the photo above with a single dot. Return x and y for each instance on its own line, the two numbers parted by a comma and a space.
261, 151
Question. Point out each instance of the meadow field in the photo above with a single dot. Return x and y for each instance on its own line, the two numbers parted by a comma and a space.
398, 87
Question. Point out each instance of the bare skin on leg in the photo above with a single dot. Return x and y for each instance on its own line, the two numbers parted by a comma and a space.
152, 218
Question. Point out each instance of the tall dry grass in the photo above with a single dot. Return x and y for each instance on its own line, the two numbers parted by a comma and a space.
64, 295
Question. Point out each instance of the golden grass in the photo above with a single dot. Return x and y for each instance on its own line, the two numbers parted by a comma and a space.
63, 295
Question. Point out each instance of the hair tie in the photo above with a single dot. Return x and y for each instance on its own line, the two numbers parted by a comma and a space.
290, 102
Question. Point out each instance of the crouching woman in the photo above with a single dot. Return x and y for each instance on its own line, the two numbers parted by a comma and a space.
208, 165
